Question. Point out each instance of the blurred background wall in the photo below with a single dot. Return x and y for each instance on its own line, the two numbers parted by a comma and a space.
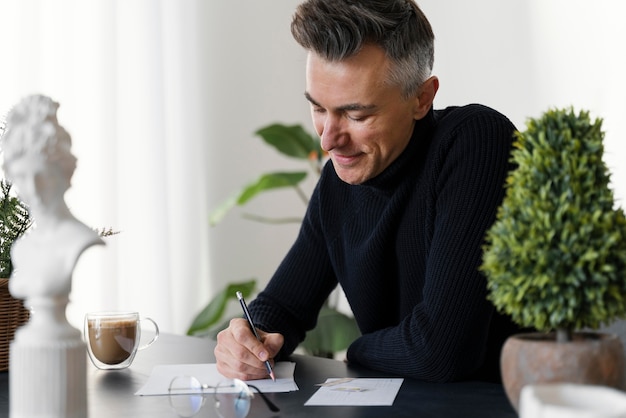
162, 98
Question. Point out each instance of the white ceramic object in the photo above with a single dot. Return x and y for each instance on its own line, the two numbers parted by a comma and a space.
47, 363
566, 400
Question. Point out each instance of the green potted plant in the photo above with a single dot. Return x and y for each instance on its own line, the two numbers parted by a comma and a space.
14, 221
555, 259
335, 330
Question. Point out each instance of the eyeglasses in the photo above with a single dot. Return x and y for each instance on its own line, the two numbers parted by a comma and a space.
231, 398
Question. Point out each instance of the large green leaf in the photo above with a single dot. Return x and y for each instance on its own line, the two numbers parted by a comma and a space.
334, 332
293, 141
214, 311
270, 181
265, 182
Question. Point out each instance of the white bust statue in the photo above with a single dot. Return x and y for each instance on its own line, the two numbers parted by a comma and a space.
47, 355
38, 161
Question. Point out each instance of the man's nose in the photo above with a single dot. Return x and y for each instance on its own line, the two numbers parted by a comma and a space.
332, 133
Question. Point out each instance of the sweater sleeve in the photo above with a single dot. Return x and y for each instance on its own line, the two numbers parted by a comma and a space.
446, 335
296, 292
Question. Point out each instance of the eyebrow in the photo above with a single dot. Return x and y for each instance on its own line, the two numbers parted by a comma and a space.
346, 107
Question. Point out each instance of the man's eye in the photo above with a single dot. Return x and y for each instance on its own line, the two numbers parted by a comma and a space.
356, 118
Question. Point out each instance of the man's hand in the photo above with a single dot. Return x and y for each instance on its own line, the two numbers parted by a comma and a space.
239, 355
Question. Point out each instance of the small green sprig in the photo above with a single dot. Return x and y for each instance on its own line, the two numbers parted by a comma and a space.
106, 232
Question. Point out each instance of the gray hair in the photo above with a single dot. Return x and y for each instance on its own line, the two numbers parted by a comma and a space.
338, 29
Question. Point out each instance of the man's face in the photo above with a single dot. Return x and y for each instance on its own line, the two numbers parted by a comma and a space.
364, 122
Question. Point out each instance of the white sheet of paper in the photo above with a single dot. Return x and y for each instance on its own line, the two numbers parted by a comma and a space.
159, 381
357, 392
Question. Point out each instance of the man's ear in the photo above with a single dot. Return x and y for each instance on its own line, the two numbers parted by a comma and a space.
425, 97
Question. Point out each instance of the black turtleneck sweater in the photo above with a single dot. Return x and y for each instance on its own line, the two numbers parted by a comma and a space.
405, 246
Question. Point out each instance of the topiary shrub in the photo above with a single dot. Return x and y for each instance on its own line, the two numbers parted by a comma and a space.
555, 259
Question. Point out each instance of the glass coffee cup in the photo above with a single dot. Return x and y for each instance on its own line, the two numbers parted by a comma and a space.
113, 338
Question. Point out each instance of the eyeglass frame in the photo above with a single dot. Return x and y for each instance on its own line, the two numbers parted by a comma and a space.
203, 387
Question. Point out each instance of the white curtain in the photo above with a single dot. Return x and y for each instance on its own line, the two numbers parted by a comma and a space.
127, 75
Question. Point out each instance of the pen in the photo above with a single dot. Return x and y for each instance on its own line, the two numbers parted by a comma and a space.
249, 318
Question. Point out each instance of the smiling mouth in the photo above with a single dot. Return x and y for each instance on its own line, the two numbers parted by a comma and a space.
345, 160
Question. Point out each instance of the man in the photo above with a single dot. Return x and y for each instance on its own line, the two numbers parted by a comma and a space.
399, 213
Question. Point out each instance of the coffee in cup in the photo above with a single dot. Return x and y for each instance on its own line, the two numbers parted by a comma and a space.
113, 338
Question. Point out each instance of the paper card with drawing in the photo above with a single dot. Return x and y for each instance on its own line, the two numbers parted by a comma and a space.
356, 392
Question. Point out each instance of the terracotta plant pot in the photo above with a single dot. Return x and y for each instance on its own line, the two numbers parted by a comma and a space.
590, 358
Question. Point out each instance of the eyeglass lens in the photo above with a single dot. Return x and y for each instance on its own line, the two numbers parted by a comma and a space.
186, 396
232, 398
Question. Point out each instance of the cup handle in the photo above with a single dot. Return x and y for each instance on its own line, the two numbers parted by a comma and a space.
156, 333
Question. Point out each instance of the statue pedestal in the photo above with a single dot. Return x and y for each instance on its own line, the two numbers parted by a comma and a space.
48, 366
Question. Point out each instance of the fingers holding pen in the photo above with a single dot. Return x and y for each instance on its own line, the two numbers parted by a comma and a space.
265, 348
235, 360
240, 355
243, 336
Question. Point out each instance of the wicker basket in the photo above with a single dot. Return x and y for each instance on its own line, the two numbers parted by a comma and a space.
12, 315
